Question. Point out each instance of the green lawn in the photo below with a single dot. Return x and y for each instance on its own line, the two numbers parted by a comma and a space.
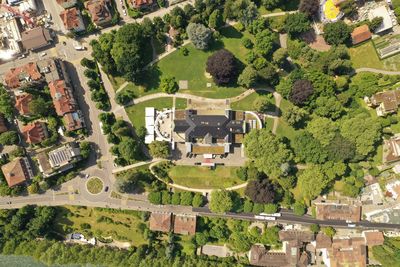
284, 129
203, 177
180, 103
94, 185
136, 112
123, 227
289, 5
269, 124
116, 81
396, 3
247, 102
192, 68
365, 56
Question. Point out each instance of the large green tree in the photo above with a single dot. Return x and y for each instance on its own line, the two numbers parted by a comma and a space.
323, 129
200, 35
129, 149
159, 149
362, 130
336, 33
221, 201
267, 151
297, 23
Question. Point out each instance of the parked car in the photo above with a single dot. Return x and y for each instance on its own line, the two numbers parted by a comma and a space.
106, 189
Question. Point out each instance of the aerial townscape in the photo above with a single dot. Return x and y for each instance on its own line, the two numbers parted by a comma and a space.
205, 133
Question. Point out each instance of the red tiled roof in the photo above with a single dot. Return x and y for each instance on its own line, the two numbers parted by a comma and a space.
338, 212
22, 103
141, 3
27, 73
185, 225
361, 34
71, 18
15, 172
160, 222
374, 238
34, 132
348, 252
62, 97
72, 121
99, 11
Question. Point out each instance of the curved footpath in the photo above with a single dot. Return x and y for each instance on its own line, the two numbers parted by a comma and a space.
387, 72
197, 190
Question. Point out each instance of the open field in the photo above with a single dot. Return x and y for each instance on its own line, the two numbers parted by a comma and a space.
247, 102
136, 112
365, 56
192, 68
102, 223
203, 177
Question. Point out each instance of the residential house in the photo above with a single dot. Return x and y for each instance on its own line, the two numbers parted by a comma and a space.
63, 98
204, 133
23, 76
99, 11
72, 20
348, 252
392, 149
59, 160
3, 124
360, 34
17, 171
36, 38
142, 4
66, 105
67, 3
333, 211
34, 132
185, 224
373, 238
294, 251
383, 12
53, 69
384, 102
160, 221
393, 188
22, 103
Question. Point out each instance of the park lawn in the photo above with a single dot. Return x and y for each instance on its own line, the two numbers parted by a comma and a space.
246, 103
285, 130
289, 5
192, 68
116, 81
123, 228
269, 124
180, 103
365, 56
396, 3
204, 177
136, 112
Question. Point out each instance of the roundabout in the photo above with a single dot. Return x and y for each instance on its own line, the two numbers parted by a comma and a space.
94, 185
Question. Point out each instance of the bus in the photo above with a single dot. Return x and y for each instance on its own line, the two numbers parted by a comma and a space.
271, 214
265, 218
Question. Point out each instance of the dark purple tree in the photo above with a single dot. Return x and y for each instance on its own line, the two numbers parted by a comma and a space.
301, 91
260, 191
222, 66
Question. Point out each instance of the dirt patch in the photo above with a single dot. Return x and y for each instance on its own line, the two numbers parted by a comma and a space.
315, 41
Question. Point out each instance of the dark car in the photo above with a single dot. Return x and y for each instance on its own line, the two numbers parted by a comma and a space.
106, 189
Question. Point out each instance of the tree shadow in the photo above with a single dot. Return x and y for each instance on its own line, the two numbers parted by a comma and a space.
150, 78
231, 32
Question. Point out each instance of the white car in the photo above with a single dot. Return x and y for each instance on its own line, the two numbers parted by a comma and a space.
124, 12
86, 176
43, 54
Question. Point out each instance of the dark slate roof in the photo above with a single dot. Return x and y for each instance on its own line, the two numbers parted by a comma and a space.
210, 126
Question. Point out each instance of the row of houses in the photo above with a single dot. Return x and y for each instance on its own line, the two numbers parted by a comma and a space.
52, 72
179, 224
300, 248
100, 12
51, 162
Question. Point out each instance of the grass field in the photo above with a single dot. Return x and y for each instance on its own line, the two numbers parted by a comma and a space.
119, 226
203, 177
289, 5
247, 102
365, 56
284, 129
136, 112
94, 185
192, 68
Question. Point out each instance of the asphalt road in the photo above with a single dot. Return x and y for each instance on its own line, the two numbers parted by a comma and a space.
289, 217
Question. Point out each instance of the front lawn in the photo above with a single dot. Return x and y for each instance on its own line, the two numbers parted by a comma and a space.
247, 102
136, 112
204, 177
192, 68
97, 222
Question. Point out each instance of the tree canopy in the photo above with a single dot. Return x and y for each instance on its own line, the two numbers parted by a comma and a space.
267, 151
221, 201
336, 33
199, 34
222, 65
260, 191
